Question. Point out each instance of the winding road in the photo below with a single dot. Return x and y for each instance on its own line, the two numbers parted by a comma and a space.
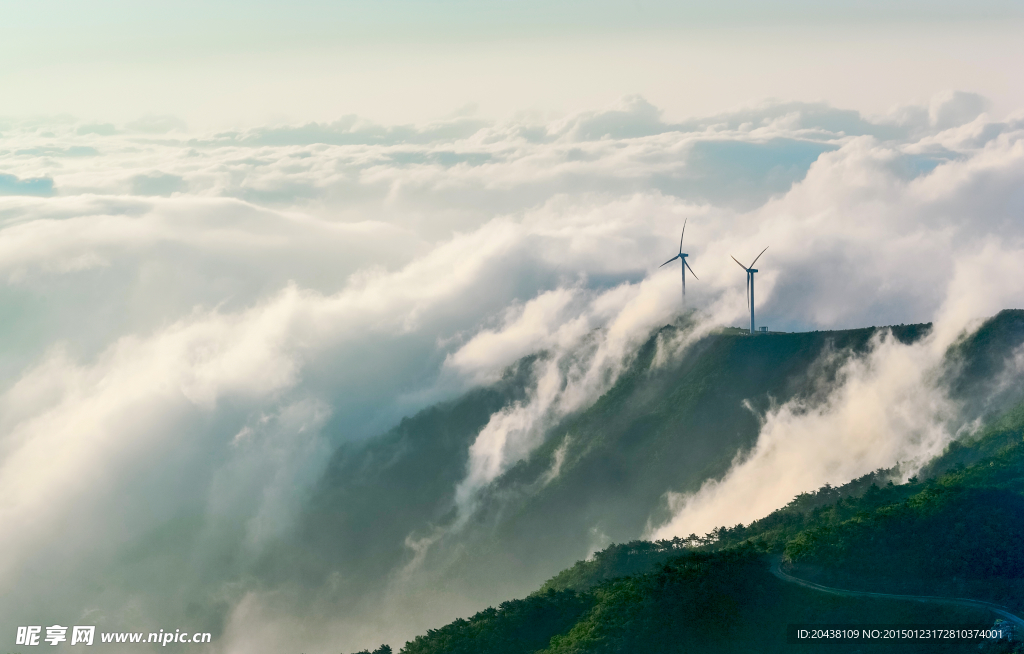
1001, 611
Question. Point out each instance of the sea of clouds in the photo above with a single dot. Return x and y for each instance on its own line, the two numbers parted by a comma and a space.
193, 322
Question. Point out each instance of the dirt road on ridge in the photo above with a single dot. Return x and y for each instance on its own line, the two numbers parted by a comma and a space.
1001, 611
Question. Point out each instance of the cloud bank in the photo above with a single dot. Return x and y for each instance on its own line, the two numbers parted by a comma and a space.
194, 322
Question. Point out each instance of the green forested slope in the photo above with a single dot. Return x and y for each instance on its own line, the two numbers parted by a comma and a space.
722, 601
716, 594
961, 533
957, 529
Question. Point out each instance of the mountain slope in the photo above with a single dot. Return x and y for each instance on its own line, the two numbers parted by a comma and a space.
660, 427
699, 601
720, 597
620, 455
386, 506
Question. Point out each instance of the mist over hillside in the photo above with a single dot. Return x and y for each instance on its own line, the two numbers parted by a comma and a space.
332, 385
891, 555
385, 530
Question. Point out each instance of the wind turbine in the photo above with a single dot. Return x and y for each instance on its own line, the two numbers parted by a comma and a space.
750, 286
682, 257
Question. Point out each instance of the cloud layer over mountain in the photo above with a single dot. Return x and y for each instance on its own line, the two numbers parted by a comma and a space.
193, 323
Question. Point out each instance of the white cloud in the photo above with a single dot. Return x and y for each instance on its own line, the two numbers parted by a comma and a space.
201, 352
885, 409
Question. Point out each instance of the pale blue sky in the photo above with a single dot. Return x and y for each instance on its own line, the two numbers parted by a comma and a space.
233, 63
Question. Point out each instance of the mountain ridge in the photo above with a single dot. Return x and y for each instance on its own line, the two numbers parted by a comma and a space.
619, 456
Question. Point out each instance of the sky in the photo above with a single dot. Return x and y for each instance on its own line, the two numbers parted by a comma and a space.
235, 235
233, 64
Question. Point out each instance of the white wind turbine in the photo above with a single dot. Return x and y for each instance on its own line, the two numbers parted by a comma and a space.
750, 286
682, 256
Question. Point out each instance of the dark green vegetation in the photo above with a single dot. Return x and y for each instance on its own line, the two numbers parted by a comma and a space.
525, 625
961, 533
958, 534
671, 426
722, 601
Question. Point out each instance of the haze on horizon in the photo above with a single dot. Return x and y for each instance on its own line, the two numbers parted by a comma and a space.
231, 64
233, 238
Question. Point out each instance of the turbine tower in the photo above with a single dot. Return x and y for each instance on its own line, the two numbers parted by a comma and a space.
750, 286
682, 256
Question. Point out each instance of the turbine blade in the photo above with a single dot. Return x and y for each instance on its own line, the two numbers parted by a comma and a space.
669, 261
691, 269
738, 263
758, 257
684, 278
748, 291
681, 237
